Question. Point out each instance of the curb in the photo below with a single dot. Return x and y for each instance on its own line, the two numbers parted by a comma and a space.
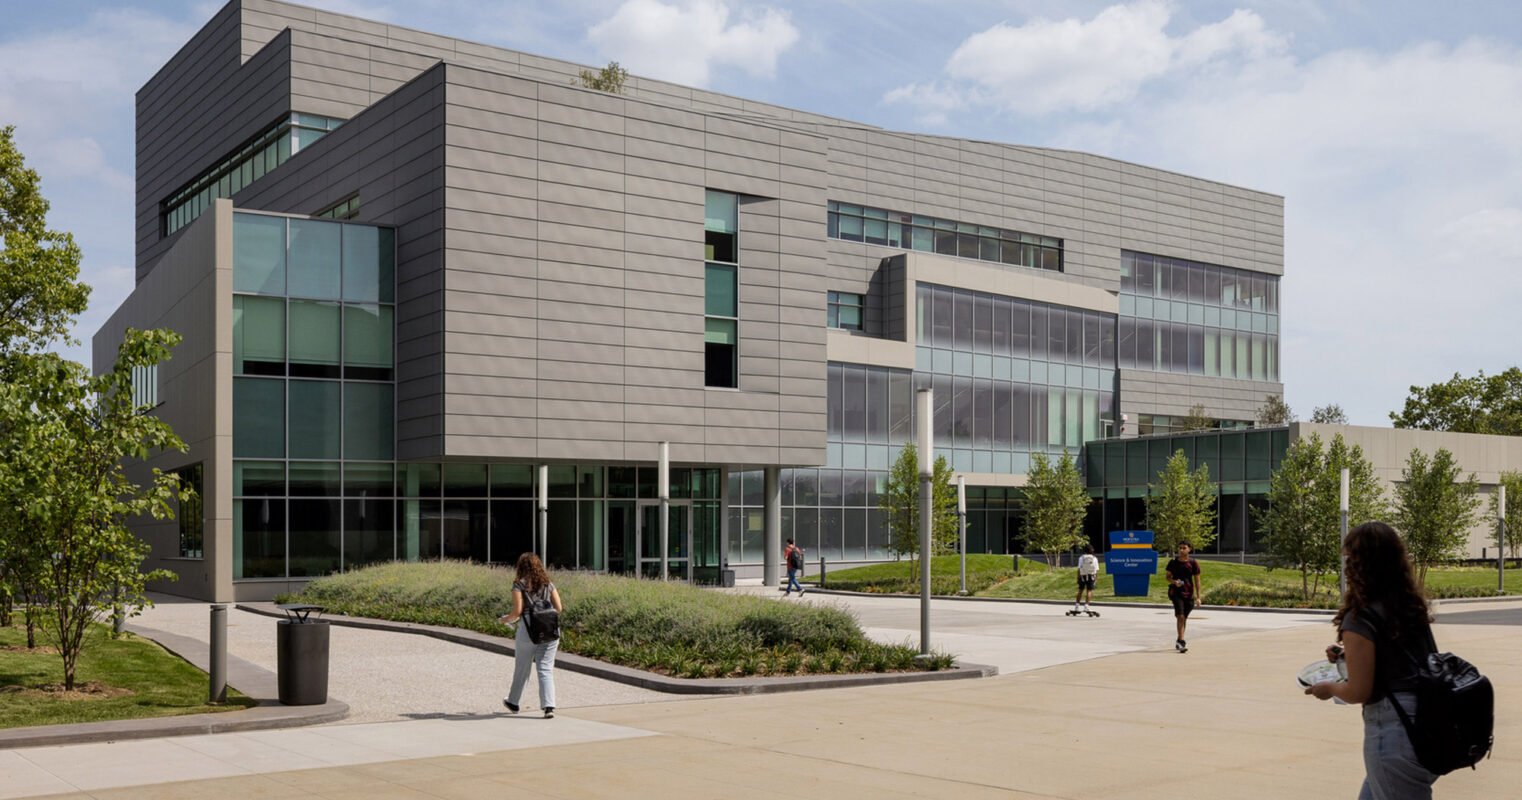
1443, 601
1111, 604
249, 678
641, 678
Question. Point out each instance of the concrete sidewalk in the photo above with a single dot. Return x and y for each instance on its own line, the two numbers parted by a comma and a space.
1224, 720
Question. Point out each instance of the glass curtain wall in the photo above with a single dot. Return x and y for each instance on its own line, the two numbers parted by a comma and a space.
1192, 318
1119, 472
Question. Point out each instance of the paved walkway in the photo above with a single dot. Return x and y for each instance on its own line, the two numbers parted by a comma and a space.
1089, 709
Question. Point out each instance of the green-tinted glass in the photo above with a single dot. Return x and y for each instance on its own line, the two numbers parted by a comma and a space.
314, 258
314, 332
464, 480
719, 291
367, 336
368, 480
258, 333
562, 481
512, 480
368, 421
259, 418
719, 331
418, 480
315, 478
369, 263
721, 212
258, 478
258, 254
315, 419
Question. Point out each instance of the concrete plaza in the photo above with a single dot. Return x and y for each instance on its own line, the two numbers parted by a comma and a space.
1083, 708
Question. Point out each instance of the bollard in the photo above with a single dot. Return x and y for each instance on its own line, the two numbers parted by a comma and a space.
218, 657
821, 572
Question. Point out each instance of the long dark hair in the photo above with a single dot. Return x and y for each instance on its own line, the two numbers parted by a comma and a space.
531, 573
1379, 571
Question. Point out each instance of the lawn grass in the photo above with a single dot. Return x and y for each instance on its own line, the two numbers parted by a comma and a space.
669, 628
1224, 582
983, 571
162, 684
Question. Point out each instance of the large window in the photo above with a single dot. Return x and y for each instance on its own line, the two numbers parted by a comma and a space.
845, 311
945, 237
313, 397
191, 517
245, 165
721, 312
1198, 319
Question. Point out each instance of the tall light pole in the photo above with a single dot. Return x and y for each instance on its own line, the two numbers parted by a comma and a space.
1342, 513
663, 475
962, 527
924, 407
1501, 540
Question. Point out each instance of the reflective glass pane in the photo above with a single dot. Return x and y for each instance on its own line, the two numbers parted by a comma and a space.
259, 538
315, 479
315, 410
368, 480
314, 263
258, 335
367, 341
464, 480
368, 421
719, 291
258, 478
369, 535
418, 480
258, 418
721, 212
515, 480
369, 263
315, 537
314, 338
258, 254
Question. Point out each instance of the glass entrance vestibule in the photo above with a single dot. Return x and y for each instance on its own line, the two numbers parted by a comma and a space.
304, 519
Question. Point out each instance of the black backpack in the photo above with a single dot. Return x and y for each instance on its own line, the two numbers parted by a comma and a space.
1455, 714
540, 616
795, 558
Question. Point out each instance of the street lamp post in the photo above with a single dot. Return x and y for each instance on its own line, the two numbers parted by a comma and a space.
962, 527
924, 408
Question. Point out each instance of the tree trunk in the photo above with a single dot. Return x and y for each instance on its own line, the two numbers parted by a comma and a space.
1305, 584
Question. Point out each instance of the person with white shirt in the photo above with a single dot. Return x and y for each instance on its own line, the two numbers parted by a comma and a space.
1088, 572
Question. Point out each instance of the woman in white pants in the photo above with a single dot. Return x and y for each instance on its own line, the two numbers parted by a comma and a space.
532, 583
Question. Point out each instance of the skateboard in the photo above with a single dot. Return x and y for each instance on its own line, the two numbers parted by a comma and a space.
1090, 612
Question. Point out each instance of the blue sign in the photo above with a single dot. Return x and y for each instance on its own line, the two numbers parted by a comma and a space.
1131, 561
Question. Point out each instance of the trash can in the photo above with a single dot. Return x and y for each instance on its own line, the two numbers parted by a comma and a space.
301, 656
727, 578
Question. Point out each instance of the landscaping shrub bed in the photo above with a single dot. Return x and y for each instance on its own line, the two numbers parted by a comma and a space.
669, 628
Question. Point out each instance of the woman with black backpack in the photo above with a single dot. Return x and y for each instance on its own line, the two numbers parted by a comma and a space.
1384, 630
536, 603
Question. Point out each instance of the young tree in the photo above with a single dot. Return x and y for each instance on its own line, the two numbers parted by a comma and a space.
1513, 483
40, 292
1433, 509
1181, 506
61, 450
1292, 526
608, 79
900, 504
1482, 404
1055, 505
1330, 414
1197, 419
1275, 411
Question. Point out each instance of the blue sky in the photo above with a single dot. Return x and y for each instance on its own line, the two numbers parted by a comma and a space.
1392, 129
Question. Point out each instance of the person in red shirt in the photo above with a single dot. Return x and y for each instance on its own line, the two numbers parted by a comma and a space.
1183, 587
792, 558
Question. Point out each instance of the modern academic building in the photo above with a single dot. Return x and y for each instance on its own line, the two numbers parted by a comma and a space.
416, 273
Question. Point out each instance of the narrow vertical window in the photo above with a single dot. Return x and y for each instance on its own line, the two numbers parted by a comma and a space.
721, 308
190, 517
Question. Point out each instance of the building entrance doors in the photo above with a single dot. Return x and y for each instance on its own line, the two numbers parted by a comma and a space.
678, 543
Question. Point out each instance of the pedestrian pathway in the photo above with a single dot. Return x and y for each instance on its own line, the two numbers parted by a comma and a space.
1087, 725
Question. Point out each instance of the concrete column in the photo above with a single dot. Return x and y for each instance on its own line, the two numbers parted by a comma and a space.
770, 573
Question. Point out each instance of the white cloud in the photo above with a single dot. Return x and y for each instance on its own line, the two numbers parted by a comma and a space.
1047, 66
684, 43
